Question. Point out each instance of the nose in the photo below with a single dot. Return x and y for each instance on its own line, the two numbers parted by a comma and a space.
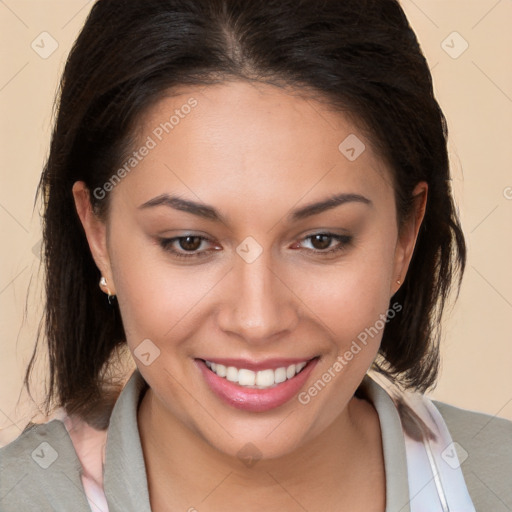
259, 306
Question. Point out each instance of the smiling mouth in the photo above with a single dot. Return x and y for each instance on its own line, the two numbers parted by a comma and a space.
260, 379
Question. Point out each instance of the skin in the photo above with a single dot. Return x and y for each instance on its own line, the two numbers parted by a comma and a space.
255, 153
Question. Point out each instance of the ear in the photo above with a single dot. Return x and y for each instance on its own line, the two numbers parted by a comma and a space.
408, 235
95, 231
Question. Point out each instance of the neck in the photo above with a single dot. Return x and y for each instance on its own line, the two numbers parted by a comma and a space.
184, 470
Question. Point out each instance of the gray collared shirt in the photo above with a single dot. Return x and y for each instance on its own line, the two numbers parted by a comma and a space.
25, 485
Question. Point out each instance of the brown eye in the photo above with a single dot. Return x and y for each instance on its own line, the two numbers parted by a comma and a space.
190, 243
321, 242
189, 246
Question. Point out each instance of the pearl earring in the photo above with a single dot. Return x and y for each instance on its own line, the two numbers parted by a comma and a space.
103, 284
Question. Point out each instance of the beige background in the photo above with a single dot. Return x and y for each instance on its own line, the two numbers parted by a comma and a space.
475, 92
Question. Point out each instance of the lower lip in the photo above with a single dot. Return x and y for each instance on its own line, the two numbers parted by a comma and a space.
251, 399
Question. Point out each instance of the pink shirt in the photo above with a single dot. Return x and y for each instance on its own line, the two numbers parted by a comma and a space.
89, 445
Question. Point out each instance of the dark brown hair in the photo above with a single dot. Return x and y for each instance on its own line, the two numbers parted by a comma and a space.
360, 56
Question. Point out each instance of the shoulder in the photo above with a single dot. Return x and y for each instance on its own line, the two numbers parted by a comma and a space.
39, 470
484, 446
479, 432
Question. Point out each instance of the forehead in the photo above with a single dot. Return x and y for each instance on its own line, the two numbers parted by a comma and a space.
241, 142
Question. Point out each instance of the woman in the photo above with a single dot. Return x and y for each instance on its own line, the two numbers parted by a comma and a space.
261, 191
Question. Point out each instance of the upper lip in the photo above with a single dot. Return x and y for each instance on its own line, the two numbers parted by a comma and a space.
266, 364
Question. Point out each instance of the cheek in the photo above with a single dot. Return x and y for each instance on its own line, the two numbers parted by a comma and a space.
350, 296
154, 296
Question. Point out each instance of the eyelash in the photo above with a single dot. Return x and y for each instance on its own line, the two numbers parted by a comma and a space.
344, 240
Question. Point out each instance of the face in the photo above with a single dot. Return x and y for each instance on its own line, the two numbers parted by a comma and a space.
222, 247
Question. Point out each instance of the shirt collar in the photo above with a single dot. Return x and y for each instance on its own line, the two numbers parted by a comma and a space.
393, 445
124, 479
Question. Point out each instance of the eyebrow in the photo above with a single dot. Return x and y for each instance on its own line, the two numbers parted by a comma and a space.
209, 212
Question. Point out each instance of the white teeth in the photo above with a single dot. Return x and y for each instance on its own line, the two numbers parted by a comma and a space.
261, 379
279, 375
290, 371
246, 377
298, 367
264, 378
231, 374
